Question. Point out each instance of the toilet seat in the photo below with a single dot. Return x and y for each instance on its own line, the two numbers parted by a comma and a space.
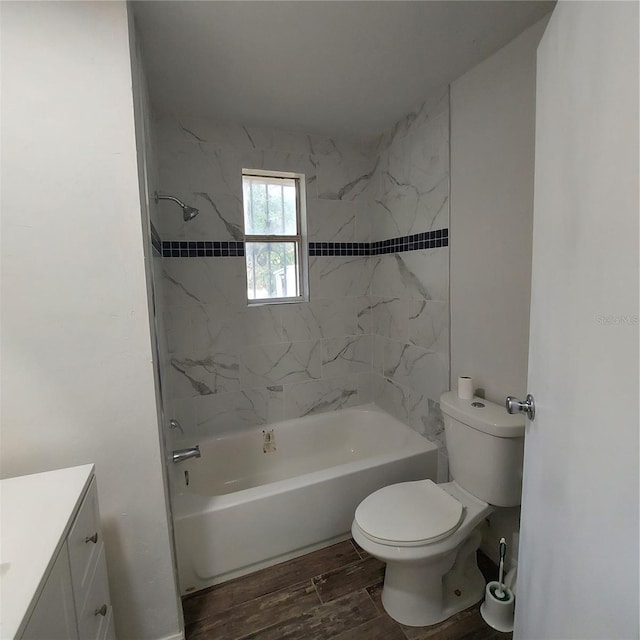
409, 514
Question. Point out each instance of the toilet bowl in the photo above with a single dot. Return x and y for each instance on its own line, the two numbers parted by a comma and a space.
427, 534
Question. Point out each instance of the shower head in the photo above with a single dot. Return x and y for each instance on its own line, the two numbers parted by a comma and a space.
188, 213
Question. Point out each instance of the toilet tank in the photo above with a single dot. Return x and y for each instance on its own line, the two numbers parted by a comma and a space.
485, 445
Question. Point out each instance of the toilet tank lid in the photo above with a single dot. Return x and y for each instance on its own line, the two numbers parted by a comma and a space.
491, 418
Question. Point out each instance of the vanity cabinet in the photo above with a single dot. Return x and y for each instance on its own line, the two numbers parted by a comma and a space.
71, 600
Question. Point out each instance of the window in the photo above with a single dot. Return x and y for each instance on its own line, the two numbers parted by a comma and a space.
274, 225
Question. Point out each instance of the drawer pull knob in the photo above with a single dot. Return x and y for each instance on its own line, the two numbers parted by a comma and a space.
102, 611
93, 538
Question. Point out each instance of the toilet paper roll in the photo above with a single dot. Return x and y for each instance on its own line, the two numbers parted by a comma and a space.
465, 388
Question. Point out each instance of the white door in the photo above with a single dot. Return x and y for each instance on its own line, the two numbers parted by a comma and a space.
578, 561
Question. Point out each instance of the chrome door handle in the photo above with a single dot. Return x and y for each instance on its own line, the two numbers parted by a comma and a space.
514, 405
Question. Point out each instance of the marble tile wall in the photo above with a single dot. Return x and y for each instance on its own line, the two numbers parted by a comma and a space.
233, 366
376, 327
409, 302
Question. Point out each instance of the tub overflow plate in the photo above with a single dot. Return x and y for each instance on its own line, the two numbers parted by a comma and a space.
268, 441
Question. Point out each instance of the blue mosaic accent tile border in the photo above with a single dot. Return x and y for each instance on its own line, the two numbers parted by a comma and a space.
206, 249
339, 249
415, 242
201, 249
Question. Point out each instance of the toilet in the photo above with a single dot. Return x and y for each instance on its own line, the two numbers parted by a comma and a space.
427, 533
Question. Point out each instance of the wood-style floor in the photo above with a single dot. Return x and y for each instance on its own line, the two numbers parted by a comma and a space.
330, 593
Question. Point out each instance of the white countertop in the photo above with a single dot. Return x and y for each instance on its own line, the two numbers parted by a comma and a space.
36, 513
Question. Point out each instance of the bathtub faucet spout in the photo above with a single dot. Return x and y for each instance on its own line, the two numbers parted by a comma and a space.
185, 454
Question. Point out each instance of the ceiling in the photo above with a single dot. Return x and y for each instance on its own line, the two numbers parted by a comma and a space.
333, 67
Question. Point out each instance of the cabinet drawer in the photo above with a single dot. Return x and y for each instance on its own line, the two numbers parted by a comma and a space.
85, 541
95, 620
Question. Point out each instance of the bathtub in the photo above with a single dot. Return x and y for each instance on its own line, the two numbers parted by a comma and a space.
271, 493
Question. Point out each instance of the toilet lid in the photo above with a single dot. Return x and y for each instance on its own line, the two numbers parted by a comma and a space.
409, 513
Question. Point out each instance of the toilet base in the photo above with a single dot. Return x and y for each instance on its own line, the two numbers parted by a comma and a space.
425, 594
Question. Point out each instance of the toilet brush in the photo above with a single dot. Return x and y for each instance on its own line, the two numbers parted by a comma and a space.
498, 606
500, 592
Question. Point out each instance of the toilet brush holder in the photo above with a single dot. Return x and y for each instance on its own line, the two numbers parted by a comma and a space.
498, 606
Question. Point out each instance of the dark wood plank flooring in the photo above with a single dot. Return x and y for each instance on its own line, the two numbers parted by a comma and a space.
333, 593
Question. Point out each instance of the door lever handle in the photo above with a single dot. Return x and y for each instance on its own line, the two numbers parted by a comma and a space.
514, 405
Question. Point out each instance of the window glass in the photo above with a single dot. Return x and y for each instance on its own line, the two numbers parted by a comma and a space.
274, 225
272, 270
270, 206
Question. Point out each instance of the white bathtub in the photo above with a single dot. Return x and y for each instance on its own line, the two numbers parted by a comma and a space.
245, 509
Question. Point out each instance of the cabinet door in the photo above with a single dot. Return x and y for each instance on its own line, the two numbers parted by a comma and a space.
95, 618
85, 543
54, 616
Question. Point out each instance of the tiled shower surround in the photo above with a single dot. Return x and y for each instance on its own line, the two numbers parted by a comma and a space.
376, 325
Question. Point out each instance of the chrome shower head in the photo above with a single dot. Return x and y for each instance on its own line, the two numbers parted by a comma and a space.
188, 213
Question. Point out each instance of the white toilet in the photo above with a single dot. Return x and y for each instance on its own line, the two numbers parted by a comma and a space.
427, 533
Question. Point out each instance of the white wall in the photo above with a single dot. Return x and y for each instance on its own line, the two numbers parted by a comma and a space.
492, 154
492, 160
77, 377
148, 185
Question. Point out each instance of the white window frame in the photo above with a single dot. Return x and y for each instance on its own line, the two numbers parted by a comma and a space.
300, 239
